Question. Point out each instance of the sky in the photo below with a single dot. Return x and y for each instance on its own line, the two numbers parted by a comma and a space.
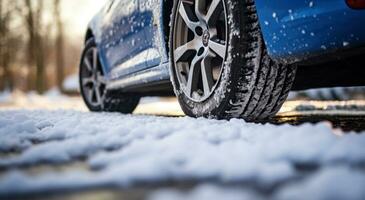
78, 13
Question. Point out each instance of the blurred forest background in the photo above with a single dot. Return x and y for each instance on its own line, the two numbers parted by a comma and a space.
41, 41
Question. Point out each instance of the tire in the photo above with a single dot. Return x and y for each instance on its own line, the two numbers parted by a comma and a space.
106, 100
251, 85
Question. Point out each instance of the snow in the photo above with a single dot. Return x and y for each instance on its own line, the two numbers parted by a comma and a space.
124, 150
71, 83
341, 183
52, 100
5, 97
311, 4
205, 192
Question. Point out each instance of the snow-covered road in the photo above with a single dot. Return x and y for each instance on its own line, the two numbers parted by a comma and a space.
224, 159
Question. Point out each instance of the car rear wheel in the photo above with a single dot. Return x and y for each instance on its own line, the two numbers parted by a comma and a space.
219, 65
93, 85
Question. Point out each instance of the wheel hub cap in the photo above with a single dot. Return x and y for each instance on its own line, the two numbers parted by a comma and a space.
199, 46
206, 38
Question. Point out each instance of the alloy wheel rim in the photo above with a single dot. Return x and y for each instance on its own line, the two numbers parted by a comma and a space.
199, 46
93, 82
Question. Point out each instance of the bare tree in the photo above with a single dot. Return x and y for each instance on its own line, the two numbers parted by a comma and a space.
7, 43
33, 19
59, 46
30, 41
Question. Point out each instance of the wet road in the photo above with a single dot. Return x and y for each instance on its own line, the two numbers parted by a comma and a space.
344, 115
347, 115
346, 123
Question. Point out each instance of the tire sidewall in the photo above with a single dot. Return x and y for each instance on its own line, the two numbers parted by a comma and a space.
218, 103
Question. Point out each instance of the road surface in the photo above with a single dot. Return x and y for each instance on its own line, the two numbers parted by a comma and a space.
52, 148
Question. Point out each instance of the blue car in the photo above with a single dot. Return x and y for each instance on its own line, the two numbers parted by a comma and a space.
222, 58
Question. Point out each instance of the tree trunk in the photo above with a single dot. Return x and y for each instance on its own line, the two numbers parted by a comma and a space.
35, 46
30, 46
40, 66
5, 48
59, 46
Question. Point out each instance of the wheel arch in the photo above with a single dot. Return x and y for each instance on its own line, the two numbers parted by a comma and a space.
166, 16
89, 34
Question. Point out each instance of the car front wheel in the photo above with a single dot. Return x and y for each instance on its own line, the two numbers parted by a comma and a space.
219, 65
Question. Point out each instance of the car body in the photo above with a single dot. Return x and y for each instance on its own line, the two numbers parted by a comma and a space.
319, 36
134, 41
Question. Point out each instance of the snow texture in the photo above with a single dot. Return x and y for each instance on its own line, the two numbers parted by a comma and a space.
123, 150
205, 192
71, 83
333, 183
5, 97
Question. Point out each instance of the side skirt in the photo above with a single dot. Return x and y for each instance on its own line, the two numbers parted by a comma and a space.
150, 82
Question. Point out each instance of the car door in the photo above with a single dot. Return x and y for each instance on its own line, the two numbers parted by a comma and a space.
152, 11
123, 39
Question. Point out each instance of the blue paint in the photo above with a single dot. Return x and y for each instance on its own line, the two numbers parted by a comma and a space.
133, 30
297, 29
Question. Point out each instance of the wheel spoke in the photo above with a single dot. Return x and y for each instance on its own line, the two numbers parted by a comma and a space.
95, 59
184, 14
219, 49
193, 77
199, 5
87, 80
91, 94
207, 76
213, 12
180, 51
97, 95
100, 78
88, 64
